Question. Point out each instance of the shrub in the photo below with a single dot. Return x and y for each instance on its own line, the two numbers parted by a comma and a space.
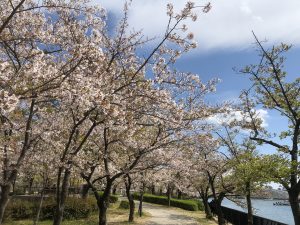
19, 209
75, 208
124, 204
200, 205
113, 198
191, 205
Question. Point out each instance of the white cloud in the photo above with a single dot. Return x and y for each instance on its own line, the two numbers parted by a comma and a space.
227, 25
220, 119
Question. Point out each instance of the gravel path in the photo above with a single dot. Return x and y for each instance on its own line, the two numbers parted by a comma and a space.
162, 215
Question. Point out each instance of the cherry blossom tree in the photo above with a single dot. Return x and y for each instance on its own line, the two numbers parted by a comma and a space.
38, 52
67, 81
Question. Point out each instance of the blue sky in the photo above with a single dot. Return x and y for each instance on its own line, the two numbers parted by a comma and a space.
225, 39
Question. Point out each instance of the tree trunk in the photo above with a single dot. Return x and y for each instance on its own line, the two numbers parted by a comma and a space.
85, 191
14, 186
207, 210
204, 198
131, 208
5, 189
115, 190
128, 184
293, 199
103, 203
249, 204
153, 189
179, 194
141, 199
141, 204
30, 185
61, 197
169, 195
39, 209
221, 220
217, 200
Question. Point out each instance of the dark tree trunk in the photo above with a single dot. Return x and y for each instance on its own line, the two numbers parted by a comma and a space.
294, 202
141, 204
61, 196
128, 183
217, 200
131, 208
30, 185
141, 199
5, 189
153, 189
207, 209
85, 191
169, 192
14, 186
102, 205
221, 220
204, 197
179, 194
249, 204
103, 202
39, 209
114, 190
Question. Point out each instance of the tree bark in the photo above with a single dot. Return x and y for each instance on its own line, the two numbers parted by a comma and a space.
85, 191
249, 204
169, 195
39, 209
141, 199
128, 183
141, 204
61, 197
102, 205
221, 220
5, 189
217, 200
103, 202
179, 194
204, 197
153, 189
294, 202
207, 209
115, 190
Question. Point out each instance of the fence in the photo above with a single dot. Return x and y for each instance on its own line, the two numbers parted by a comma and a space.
240, 218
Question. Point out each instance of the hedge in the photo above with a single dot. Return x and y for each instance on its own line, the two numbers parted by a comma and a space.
191, 205
75, 208
124, 204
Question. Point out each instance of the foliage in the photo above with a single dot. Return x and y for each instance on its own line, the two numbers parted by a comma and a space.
75, 208
124, 204
191, 205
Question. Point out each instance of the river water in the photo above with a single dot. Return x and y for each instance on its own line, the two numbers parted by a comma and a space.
266, 209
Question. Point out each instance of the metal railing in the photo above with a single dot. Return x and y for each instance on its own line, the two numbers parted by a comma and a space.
236, 217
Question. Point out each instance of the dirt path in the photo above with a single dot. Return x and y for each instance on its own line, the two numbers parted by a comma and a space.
161, 215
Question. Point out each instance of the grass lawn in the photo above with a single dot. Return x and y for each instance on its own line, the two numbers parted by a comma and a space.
199, 216
115, 216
